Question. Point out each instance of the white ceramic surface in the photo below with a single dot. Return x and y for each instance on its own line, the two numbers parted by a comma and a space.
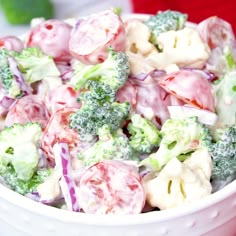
212, 216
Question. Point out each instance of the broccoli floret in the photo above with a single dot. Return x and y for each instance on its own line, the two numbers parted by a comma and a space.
110, 146
222, 61
10, 79
225, 94
22, 12
100, 83
23, 187
35, 65
144, 134
98, 108
180, 137
223, 153
229, 58
97, 92
18, 70
165, 21
19, 147
113, 71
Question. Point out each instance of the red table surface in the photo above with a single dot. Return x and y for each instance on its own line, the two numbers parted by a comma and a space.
197, 10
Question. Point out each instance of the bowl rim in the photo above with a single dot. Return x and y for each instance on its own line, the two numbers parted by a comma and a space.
115, 220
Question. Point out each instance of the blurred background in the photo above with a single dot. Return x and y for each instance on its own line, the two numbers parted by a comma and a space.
15, 14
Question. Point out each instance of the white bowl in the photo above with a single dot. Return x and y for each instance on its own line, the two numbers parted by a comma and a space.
213, 216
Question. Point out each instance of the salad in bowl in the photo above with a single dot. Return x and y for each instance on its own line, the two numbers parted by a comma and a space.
119, 115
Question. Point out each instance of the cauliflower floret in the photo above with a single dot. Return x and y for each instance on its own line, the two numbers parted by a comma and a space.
201, 163
50, 189
179, 48
138, 65
182, 47
138, 47
181, 182
138, 40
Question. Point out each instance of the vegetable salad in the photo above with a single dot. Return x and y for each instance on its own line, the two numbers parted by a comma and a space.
115, 115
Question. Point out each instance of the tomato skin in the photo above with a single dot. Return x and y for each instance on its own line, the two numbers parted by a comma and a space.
57, 130
128, 93
191, 87
152, 101
91, 37
60, 97
111, 187
52, 37
11, 43
30, 108
216, 32
219, 36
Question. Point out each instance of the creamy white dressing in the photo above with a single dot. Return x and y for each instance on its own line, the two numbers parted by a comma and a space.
178, 182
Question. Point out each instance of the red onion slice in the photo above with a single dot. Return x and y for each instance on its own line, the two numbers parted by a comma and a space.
6, 102
207, 74
67, 183
19, 78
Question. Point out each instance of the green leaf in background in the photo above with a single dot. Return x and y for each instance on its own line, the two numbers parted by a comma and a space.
22, 11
